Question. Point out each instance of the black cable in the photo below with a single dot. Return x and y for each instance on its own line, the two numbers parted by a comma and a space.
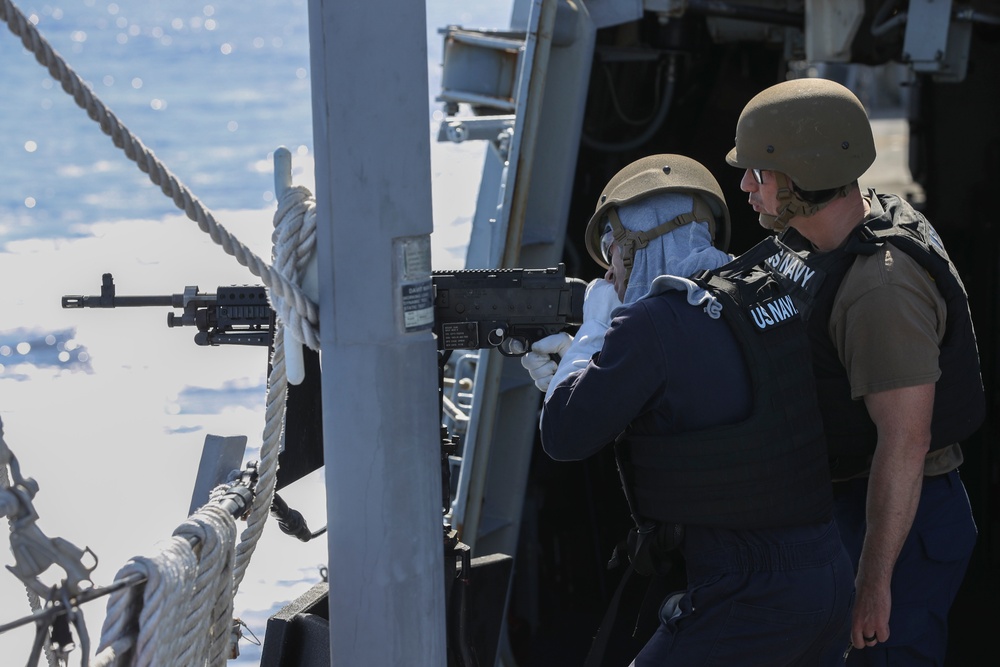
291, 521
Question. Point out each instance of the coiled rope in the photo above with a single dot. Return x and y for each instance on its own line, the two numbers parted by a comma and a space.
305, 325
182, 615
294, 239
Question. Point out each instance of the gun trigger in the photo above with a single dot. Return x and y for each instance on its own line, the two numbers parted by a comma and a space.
514, 347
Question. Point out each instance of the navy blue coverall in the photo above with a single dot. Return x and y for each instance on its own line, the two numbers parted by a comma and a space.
770, 597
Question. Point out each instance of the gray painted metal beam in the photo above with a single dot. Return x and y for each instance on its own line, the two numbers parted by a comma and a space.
380, 410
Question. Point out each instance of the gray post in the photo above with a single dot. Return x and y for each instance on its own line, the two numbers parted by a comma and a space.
380, 408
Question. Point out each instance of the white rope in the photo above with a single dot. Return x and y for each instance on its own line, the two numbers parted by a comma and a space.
159, 174
181, 615
120, 629
168, 587
293, 242
210, 609
221, 617
267, 470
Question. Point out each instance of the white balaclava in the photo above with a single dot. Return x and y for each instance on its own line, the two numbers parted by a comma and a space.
681, 252
671, 257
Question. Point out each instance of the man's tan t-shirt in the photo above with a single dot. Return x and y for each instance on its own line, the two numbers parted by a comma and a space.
887, 323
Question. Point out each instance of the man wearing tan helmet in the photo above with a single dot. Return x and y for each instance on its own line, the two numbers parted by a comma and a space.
894, 354
715, 423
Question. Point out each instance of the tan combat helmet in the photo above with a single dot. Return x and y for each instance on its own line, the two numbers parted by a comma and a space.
652, 175
814, 131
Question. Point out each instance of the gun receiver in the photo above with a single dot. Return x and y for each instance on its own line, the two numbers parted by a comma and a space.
504, 308
234, 315
473, 309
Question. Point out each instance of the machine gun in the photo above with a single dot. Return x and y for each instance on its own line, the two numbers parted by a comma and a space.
473, 309
504, 308
234, 315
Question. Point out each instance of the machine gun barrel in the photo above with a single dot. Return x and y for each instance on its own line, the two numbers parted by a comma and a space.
234, 315
108, 299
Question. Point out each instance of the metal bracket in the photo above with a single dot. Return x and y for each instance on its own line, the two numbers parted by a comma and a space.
935, 43
496, 129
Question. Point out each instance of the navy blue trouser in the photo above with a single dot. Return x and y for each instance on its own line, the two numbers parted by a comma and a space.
928, 572
774, 598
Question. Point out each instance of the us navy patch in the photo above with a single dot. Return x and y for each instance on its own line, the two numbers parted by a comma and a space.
788, 264
799, 278
770, 313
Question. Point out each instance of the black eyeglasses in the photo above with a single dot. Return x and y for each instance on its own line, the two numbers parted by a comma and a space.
758, 175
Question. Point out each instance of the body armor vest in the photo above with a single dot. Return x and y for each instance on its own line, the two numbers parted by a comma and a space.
767, 471
959, 400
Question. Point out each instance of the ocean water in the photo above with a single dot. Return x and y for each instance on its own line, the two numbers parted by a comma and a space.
108, 410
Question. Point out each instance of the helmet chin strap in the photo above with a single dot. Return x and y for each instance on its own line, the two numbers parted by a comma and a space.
791, 205
629, 242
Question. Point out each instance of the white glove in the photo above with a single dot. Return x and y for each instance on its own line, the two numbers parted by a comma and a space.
599, 301
539, 362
